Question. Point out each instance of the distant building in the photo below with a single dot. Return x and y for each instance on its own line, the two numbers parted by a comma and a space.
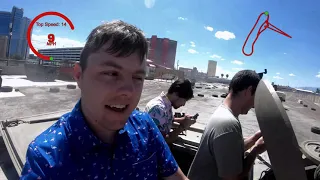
212, 67
24, 49
202, 75
190, 73
186, 71
218, 80
63, 54
162, 51
3, 46
5, 19
15, 26
194, 73
14, 40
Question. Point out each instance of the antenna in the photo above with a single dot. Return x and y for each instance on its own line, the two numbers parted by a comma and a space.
178, 65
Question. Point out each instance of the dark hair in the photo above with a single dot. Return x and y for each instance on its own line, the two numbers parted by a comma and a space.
126, 39
244, 79
183, 89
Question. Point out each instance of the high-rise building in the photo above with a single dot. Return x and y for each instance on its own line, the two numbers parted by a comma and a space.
5, 20
24, 49
162, 51
212, 67
14, 40
15, 26
3, 46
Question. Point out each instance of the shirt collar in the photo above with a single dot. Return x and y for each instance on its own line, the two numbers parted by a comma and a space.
82, 137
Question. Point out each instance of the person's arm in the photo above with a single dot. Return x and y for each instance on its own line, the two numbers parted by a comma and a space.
179, 119
167, 165
173, 135
185, 124
228, 152
177, 176
229, 155
158, 115
249, 142
34, 167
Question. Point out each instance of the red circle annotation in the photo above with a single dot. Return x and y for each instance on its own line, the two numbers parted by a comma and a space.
41, 56
262, 28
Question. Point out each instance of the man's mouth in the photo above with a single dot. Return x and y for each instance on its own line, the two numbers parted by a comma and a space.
117, 107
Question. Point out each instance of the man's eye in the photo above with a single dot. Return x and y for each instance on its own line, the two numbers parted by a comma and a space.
110, 73
138, 78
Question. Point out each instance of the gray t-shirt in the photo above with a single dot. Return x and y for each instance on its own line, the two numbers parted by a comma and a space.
221, 150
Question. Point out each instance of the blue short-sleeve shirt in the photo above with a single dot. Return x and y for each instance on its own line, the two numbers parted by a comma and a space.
70, 150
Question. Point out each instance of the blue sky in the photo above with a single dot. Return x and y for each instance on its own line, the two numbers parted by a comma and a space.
185, 21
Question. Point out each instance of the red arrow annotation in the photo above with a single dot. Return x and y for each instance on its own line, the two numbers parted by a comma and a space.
262, 28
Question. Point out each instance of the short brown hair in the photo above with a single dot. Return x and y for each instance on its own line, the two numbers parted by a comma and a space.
126, 39
242, 80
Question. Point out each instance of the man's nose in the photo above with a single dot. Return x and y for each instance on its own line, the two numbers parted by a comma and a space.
127, 88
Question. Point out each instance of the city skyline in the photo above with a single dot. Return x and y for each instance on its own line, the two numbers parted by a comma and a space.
14, 26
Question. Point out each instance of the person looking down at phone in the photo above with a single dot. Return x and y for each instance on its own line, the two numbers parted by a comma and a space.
160, 109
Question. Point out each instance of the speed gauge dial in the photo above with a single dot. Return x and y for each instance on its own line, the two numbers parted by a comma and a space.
51, 37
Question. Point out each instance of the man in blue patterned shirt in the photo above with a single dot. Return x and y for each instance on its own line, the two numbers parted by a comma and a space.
103, 137
160, 109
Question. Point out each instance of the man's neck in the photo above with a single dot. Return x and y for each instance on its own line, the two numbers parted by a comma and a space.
105, 135
234, 104
170, 97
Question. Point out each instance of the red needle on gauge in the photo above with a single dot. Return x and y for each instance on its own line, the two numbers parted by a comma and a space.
262, 28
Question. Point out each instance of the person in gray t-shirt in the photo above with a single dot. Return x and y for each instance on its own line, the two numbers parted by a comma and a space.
221, 154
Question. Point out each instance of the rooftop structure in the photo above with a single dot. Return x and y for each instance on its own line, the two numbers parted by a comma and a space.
63, 54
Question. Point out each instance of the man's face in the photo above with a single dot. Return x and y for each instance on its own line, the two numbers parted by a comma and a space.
110, 87
248, 100
178, 102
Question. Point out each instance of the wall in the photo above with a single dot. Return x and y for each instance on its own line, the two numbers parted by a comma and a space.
159, 72
218, 80
13, 70
307, 96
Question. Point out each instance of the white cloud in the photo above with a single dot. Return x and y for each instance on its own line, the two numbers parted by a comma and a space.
318, 75
37, 30
292, 74
237, 62
182, 18
277, 77
192, 51
183, 45
192, 44
226, 35
216, 56
209, 28
168, 32
149, 3
222, 59
284, 53
277, 73
237, 69
207, 52
40, 42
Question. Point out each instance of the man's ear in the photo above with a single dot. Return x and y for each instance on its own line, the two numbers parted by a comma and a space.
77, 73
249, 91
